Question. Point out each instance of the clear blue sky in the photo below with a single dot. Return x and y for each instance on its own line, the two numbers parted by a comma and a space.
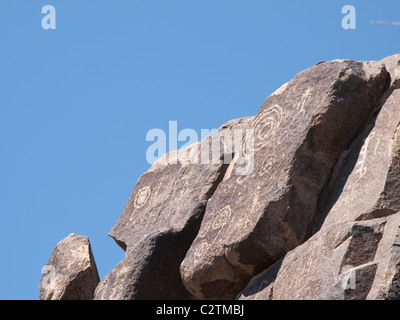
76, 102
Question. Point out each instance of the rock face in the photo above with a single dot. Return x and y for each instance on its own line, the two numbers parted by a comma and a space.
365, 187
163, 216
367, 182
351, 261
300, 132
71, 272
301, 201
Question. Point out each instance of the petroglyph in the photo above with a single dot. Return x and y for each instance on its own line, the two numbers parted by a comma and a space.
222, 218
217, 225
266, 124
142, 197
361, 168
306, 97
201, 250
267, 164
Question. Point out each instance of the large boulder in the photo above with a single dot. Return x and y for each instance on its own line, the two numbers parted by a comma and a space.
71, 272
163, 216
299, 134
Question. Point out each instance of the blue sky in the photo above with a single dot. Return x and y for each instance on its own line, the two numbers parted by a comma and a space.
76, 102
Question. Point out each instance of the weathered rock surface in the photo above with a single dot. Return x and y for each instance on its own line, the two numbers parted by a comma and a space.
351, 261
365, 188
163, 217
71, 272
367, 184
308, 208
251, 221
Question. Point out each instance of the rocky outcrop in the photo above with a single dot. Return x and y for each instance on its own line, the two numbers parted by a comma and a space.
366, 184
163, 216
301, 201
351, 261
300, 132
364, 187
71, 272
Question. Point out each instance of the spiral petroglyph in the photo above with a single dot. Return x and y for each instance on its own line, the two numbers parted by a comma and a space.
142, 197
266, 124
200, 251
267, 164
222, 218
204, 231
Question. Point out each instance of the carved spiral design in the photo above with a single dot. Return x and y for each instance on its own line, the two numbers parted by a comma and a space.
200, 251
142, 196
266, 124
222, 217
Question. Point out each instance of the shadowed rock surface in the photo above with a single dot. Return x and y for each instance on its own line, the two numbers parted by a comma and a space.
367, 183
351, 261
304, 205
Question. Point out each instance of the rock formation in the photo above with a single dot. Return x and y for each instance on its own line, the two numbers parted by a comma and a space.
365, 187
300, 133
161, 220
353, 260
71, 272
305, 206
